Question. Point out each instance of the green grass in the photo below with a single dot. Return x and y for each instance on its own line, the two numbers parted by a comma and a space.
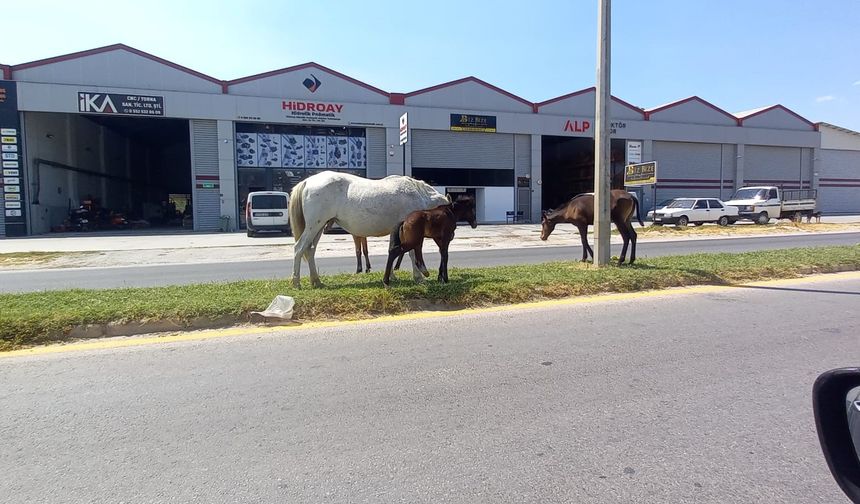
38, 318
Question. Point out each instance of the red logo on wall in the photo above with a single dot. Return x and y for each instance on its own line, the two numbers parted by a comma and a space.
577, 126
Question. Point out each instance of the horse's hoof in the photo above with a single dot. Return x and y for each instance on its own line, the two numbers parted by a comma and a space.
367, 270
297, 283
317, 284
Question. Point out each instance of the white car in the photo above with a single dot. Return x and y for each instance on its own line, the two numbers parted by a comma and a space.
683, 211
267, 211
663, 204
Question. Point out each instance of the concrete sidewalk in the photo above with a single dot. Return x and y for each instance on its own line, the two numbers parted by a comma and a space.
140, 248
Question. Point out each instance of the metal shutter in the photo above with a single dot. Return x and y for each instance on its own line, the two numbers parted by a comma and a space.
839, 182
376, 160
449, 149
688, 169
779, 166
204, 166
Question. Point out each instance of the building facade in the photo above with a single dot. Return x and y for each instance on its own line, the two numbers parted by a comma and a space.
157, 141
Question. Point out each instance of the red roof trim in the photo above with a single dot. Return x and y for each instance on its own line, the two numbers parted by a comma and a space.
588, 90
310, 64
114, 47
778, 106
475, 80
650, 112
565, 97
7, 72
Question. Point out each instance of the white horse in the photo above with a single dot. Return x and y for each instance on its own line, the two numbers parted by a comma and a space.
361, 206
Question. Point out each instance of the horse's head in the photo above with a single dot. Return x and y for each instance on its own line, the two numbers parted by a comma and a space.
464, 210
547, 224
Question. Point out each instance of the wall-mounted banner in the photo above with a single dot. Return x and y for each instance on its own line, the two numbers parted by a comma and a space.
126, 104
10, 138
470, 122
641, 174
634, 151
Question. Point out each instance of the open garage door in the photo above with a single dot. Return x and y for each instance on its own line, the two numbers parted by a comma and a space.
108, 173
567, 168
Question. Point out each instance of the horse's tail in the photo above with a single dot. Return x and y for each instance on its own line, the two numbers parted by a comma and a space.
394, 240
297, 214
638, 215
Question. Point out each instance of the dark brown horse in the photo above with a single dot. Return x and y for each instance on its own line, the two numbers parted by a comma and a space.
439, 224
579, 211
361, 246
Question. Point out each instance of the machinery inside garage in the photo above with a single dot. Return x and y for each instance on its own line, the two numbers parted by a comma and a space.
97, 173
567, 167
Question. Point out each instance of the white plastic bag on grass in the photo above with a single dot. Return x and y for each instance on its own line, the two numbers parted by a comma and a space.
281, 307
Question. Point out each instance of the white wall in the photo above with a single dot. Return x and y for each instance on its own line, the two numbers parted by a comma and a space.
118, 68
493, 202
832, 138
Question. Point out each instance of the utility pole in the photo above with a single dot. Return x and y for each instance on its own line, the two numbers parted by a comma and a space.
601, 137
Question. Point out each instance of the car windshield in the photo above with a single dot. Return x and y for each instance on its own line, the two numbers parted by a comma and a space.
681, 203
269, 201
665, 203
750, 194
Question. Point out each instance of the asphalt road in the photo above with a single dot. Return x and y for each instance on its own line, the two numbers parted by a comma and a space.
682, 398
160, 275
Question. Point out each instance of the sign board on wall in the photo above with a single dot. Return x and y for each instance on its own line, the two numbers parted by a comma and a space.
640, 174
634, 151
404, 128
471, 122
10, 138
114, 103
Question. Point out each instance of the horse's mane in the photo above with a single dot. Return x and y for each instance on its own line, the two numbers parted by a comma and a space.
423, 187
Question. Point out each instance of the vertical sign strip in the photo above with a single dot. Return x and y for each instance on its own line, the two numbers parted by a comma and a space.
14, 214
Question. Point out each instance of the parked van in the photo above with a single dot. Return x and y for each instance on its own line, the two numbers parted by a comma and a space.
267, 211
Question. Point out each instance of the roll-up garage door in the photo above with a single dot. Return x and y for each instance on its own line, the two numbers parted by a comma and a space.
839, 182
466, 159
779, 166
376, 160
688, 169
204, 165
449, 149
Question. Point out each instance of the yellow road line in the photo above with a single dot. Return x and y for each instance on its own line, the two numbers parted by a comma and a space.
240, 331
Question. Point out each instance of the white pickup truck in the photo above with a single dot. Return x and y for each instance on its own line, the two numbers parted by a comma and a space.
760, 204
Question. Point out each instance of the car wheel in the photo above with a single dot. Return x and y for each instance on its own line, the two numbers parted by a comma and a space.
683, 221
697, 224
762, 219
723, 221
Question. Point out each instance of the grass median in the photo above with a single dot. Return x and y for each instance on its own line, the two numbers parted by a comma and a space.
43, 317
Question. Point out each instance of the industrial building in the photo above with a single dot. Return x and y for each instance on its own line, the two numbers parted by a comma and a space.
165, 146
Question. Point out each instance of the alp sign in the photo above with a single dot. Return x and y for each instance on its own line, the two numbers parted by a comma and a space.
112, 103
577, 126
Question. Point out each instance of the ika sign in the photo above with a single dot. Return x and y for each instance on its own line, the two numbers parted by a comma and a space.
470, 122
111, 103
641, 174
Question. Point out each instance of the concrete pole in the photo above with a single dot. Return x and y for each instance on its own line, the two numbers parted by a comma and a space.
601, 137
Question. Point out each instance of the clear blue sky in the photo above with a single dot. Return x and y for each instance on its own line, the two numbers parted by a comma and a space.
738, 54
